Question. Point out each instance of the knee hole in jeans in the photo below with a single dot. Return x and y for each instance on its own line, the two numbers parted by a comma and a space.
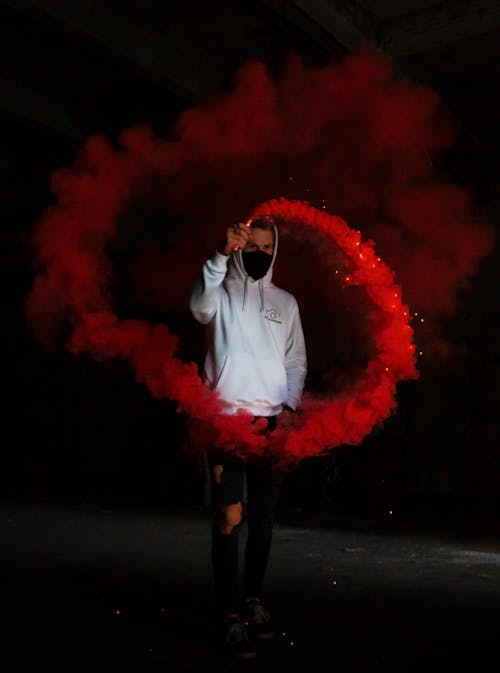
228, 517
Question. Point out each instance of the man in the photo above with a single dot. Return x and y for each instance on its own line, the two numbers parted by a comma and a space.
256, 361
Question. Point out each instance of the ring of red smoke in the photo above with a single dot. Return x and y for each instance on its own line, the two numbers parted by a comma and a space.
351, 131
151, 349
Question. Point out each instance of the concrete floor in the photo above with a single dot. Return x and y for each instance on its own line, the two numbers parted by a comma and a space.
86, 588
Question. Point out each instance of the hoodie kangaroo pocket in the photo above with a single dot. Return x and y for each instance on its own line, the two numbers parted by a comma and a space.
246, 380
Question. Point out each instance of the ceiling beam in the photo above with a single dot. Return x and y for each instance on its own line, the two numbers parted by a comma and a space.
33, 108
321, 21
166, 61
439, 25
334, 22
354, 25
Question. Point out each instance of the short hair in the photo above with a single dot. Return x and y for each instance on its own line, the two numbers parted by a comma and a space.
265, 222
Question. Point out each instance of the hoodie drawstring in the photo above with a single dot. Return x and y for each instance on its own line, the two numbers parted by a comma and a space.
245, 292
261, 293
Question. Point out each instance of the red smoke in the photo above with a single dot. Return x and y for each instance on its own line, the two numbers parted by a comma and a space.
349, 138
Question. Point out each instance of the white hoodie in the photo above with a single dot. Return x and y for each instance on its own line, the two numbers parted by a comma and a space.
256, 358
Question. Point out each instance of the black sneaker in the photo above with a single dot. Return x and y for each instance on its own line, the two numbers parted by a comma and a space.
257, 619
235, 639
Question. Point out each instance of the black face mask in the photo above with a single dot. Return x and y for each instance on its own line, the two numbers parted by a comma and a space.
256, 263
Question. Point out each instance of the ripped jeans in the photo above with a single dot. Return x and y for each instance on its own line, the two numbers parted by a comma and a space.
263, 489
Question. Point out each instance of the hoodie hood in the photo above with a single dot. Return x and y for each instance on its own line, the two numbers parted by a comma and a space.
237, 272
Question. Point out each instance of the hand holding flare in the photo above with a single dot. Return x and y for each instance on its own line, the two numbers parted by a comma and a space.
236, 237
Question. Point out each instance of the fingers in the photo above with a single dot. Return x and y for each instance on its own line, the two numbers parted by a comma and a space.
237, 236
241, 232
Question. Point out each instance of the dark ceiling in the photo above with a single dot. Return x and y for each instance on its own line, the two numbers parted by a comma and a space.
68, 69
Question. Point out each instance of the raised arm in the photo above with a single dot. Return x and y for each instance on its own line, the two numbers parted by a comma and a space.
205, 293
204, 297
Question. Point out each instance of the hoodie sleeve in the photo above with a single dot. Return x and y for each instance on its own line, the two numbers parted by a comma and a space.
204, 297
295, 358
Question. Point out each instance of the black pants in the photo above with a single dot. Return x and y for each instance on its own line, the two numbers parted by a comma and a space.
263, 491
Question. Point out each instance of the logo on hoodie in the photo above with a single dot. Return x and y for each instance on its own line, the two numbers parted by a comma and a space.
273, 314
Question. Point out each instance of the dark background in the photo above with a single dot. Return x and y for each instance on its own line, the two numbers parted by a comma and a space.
77, 430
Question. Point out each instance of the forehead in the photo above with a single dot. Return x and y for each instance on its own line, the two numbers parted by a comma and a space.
261, 236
